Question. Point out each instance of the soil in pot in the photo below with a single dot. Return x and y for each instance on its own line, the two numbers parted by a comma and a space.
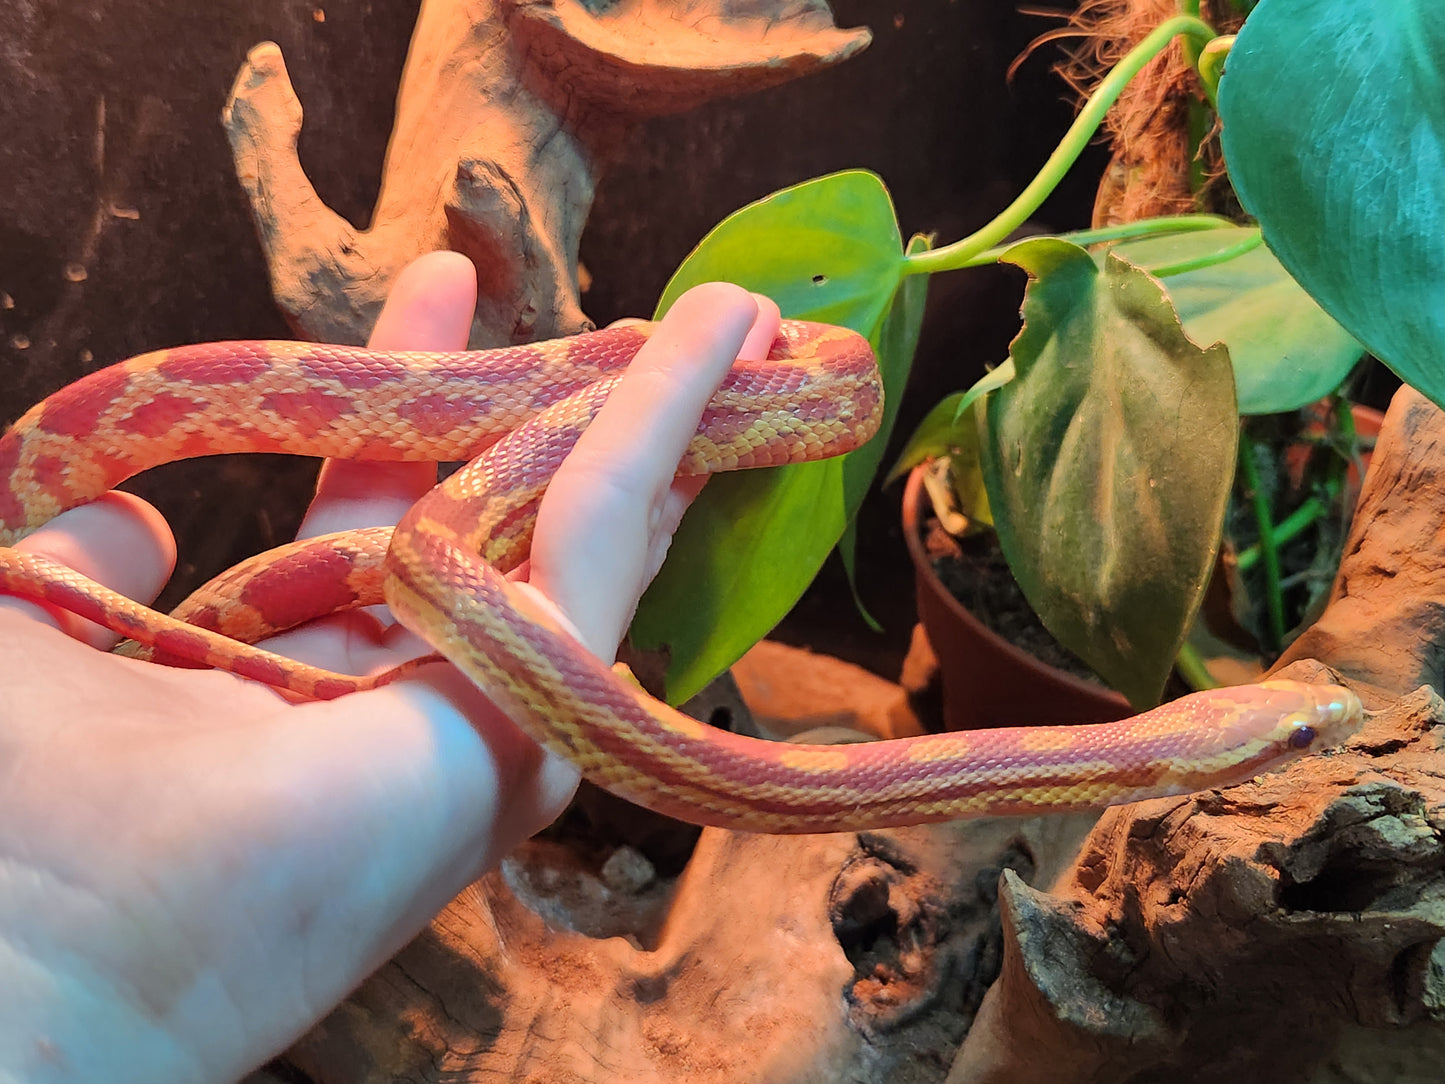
975, 571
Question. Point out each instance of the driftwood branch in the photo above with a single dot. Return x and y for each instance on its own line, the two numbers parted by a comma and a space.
507, 111
835, 958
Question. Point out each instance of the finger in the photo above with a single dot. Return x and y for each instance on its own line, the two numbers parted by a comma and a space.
764, 330
118, 540
594, 530
684, 491
430, 308
760, 338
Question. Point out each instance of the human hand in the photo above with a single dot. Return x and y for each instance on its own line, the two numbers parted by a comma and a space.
194, 870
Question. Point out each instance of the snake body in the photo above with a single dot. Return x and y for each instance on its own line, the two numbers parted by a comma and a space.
515, 413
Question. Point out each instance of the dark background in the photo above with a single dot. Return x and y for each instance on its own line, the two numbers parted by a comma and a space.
123, 229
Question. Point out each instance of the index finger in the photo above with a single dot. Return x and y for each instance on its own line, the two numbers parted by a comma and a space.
430, 308
594, 527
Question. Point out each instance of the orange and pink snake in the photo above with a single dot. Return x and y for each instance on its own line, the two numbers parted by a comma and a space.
514, 413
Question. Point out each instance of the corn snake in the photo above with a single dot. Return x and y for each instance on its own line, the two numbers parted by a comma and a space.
515, 413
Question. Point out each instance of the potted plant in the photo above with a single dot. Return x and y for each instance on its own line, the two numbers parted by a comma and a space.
1130, 468
1109, 598
1108, 417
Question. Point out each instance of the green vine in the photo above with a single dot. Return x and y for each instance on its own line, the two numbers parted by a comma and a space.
1224, 255
1287, 529
1268, 547
1210, 64
1194, 670
1127, 231
964, 252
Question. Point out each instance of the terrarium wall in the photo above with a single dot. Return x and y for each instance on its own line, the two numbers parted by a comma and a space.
123, 227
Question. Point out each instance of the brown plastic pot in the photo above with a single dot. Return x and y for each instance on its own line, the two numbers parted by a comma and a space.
987, 681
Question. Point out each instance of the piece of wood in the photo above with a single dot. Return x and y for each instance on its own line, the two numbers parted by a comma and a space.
850, 957
1385, 620
507, 111
791, 691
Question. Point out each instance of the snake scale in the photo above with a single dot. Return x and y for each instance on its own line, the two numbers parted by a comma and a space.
514, 413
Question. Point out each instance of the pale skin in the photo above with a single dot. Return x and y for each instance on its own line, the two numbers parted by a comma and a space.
193, 870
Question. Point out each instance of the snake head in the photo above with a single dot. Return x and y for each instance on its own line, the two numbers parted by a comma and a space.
1325, 716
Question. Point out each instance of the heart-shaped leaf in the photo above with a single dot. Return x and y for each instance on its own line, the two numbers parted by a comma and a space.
896, 344
1334, 134
1108, 462
826, 250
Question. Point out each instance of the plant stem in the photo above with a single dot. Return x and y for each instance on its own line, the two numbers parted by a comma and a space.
1285, 531
1268, 547
957, 255
1192, 669
1346, 441
1192, 46
1125, 231
1201, 123
1198, 263
1344, 416
1315, 507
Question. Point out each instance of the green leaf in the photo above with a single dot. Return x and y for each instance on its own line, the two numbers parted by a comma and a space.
950, 424
1108, 462
826, 250
895, 343
1334, 134
1287, 351
937, 435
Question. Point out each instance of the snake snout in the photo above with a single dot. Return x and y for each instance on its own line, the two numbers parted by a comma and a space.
1335, 713
1342, 713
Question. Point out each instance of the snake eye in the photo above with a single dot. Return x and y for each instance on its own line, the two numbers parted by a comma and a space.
1302, 737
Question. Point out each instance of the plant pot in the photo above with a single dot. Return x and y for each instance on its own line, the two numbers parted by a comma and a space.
987, 681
